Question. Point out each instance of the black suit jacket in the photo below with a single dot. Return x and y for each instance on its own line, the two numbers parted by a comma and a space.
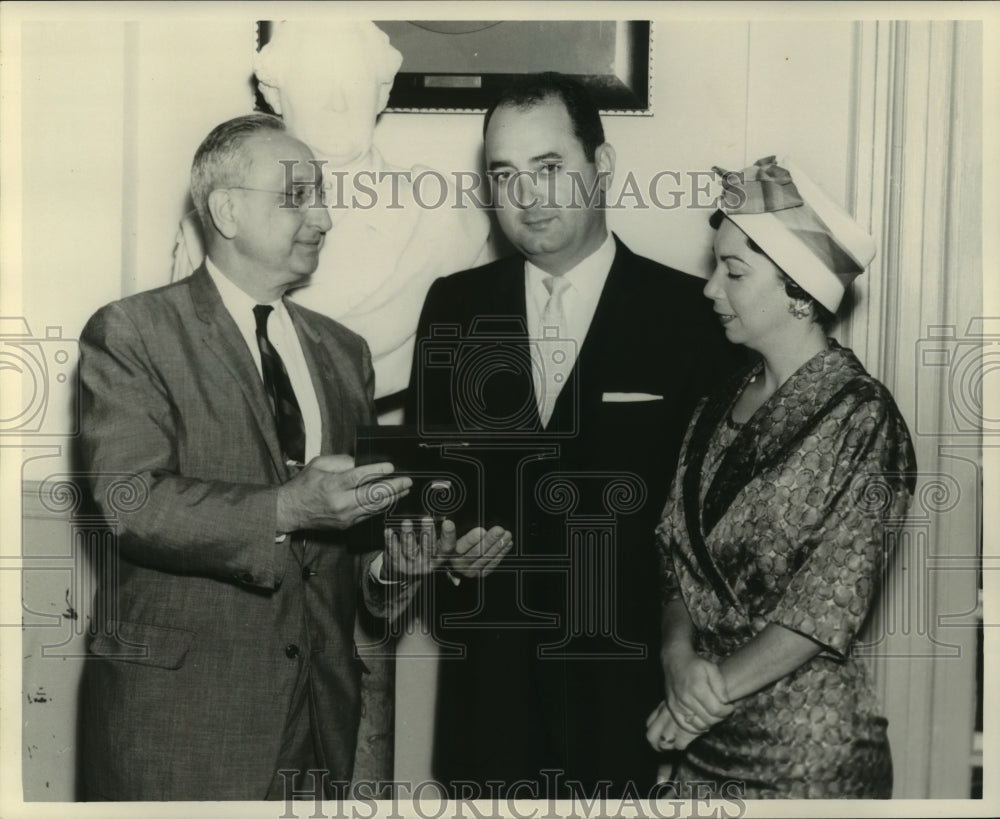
552, 661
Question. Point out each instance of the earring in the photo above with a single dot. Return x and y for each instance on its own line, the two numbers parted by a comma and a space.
799, 309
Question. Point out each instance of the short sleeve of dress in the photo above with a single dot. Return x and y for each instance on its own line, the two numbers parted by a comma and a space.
846, 519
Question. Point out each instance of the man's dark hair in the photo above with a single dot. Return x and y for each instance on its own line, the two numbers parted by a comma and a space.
538, 88
220, 160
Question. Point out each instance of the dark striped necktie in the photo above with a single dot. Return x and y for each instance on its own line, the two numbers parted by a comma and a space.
287, 415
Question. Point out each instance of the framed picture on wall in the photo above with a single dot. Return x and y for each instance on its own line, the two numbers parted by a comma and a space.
462, 65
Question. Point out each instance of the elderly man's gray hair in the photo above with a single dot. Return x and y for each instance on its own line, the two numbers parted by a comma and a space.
220, 160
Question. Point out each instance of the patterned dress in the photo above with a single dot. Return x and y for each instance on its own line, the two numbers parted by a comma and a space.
788, 519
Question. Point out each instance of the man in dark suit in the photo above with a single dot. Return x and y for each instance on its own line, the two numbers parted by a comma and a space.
219, 422
570, 370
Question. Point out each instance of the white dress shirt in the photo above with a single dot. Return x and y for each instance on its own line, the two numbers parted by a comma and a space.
281, 333
579, 301
284, 339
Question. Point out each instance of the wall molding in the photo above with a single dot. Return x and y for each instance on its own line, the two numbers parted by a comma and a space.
917, 143
32, 506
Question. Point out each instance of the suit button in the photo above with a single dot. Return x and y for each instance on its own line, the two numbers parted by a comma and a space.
291, 651
307, 572
247, 577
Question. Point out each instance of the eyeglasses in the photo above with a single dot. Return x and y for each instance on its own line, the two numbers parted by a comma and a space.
302, 195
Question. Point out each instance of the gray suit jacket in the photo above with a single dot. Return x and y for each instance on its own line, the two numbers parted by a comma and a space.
203, 622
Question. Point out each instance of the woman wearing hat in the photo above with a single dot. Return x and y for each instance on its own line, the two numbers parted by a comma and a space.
778, 526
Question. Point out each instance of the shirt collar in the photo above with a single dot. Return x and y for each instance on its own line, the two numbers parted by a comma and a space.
589, 275
238, 302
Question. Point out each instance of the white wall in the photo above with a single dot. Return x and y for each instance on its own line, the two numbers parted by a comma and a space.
187, 79
72, 130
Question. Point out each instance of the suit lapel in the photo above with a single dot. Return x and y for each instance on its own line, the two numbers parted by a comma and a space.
581, 384
223, 338
508, 294
325, 369
508, 308
329, 388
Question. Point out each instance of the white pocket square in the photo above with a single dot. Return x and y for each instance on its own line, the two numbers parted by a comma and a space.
622, 397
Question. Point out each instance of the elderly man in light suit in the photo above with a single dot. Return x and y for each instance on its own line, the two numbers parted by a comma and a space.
330, 80
225, 668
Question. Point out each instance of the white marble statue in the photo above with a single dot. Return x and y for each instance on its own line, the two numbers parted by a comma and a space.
329, 81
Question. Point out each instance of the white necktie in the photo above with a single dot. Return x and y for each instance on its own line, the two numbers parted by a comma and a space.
554, 348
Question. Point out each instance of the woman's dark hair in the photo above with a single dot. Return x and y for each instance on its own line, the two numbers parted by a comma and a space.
821, 315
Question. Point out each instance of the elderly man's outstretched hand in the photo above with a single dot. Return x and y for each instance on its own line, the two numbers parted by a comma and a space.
330, 492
